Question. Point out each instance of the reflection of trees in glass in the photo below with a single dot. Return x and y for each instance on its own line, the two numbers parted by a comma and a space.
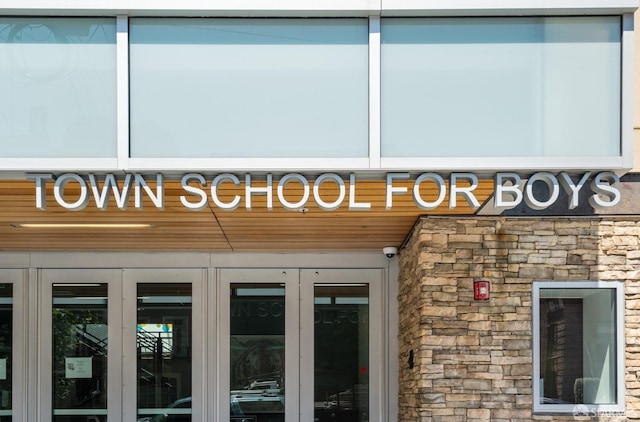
68, 341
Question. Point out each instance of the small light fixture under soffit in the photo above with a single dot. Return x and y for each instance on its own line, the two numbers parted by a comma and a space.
83, 225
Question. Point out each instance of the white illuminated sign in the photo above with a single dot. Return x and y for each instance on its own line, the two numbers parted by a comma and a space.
510, 190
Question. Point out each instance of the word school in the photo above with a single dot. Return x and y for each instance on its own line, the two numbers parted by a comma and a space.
510, 189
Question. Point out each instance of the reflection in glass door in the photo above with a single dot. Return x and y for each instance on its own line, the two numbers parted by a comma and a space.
6, 346
79, 352
257, 353
164, 352
258, 376
341, 321
341, 352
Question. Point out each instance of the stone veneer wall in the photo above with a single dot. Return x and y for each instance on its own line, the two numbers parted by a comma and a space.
473, 359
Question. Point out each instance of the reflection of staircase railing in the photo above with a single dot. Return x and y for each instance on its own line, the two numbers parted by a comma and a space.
147, 342
93, 343
154, 389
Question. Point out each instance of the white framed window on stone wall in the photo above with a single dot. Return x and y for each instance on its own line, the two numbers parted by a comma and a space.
578, 347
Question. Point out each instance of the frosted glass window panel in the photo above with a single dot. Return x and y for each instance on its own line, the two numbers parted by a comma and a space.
483, 87
249, 87
58, 85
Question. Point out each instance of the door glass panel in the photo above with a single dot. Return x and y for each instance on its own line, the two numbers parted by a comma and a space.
257, 352
79, 325
6, 338
341, 341
163, 343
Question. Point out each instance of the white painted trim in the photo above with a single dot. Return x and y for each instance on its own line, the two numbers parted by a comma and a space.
375, 103
247, 164
302, 260
212, 310
192, 260
307, 346
506, 7
315, 7
493, 164
45, 351
235, 8
392, 332
118, 260
620, 344
122, 90
57, 164
32, 351
626, 90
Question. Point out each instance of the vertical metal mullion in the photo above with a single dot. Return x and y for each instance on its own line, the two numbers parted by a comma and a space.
199, 364
114, 357
223, 355
32, 397
122, 90
211, 346
626, 90
20, 333
374, 92
392, 332
129, 357
307, 283
292, 344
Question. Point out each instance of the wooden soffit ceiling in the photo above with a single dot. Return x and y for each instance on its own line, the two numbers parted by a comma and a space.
176, 228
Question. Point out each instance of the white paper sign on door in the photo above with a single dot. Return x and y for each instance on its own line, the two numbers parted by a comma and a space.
78, 367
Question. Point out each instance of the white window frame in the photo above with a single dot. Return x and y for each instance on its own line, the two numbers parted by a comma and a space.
371, 9
593, 409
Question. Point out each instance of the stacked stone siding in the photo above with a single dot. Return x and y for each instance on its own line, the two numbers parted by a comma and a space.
473, 359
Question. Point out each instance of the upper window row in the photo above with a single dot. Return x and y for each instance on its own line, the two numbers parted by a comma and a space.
290, 88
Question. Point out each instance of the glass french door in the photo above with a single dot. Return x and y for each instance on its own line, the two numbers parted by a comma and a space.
80, 345
120, 344
164, 344
259, 327
303, 345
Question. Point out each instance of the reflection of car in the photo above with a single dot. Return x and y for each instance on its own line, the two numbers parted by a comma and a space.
254, 407
267, 388
169, 415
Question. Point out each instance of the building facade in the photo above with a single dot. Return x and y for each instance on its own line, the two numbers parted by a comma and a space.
346, 211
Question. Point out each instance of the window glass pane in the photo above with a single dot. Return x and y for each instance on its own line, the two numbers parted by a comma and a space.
501, 87
341, 341
249, 87
163, 342
6, 360
58, 85
257, 353
80, 340
577, 346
